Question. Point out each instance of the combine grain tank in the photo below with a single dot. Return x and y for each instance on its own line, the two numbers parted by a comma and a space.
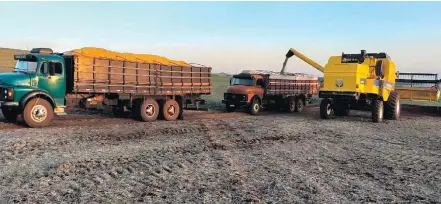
256, 89
141, 85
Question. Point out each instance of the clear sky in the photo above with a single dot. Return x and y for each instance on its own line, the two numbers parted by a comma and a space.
231, 36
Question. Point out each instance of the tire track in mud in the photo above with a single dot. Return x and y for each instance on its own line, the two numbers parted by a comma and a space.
19, 149
141, 177
221, 155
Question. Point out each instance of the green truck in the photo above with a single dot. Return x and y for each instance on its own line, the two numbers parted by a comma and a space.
45, 83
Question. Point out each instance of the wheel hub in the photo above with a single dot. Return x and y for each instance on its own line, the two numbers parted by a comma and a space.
150, 110
256, 107
38, 113
171, 110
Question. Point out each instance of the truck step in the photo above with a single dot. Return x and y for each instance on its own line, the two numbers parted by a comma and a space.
59, 111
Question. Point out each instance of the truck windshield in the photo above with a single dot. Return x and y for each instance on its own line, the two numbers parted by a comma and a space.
242, 81
26, 66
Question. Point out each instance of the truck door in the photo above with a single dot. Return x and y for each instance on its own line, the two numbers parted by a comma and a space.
51, 79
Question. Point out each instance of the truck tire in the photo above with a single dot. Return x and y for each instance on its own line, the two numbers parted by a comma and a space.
149, 110
325, 108
377, 111
10, 114
291, 105
170, 110
298, 105
38, 113
392, 106
254, 107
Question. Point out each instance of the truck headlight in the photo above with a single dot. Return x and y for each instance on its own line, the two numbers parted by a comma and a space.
9, 94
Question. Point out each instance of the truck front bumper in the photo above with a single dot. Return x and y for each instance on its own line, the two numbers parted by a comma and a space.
8, 104
235, 103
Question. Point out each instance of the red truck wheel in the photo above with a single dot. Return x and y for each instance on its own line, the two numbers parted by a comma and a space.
148, 110
38, 112
170, 110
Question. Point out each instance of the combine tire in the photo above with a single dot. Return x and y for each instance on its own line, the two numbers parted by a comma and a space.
299, 105
148, 110
254, 107
377, 111
392, 106
10, 114
325, 108
38, 113
170, 110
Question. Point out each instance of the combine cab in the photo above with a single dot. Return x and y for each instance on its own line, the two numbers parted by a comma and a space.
418, 86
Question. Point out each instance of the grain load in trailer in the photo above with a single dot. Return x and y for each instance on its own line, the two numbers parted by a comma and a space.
140, 85
256, 89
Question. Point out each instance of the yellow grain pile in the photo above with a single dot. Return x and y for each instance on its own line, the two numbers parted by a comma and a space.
92, 52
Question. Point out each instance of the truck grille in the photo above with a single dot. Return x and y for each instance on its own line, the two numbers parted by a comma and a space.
3, 95
235, 97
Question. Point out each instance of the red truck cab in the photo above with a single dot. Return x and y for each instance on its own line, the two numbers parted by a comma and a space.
258, 89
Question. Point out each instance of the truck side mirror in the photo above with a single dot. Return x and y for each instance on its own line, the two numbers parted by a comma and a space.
44, 69
379, 69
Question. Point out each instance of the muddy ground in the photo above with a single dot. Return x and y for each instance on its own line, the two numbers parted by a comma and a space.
223, 158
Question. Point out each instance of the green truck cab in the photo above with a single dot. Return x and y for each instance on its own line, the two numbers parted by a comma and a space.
35, 89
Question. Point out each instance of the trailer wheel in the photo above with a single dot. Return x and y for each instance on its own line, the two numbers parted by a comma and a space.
392, 106
37, 113
377, 111
170, 110
254, 107
325, 108
10, 114
299, 105
149, 110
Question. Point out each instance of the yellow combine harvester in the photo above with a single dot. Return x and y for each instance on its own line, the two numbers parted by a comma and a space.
362, 81
418, 87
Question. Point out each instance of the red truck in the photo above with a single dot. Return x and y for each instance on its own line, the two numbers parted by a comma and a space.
257, 89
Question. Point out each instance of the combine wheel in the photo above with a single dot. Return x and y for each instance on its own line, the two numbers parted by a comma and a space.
392, 106
377, 111
254, 107
299, 105
37, 113
148, 110
325, 108
170, 110
10, 114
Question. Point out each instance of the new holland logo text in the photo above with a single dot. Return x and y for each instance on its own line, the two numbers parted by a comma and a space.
339, 82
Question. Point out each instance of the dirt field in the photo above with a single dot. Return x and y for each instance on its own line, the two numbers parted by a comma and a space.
223, 158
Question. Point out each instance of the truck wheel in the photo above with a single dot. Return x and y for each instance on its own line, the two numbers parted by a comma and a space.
149, 110
229, 108
254, 107
377, 111
38, 112
299, 105
291, 105
170, 110
392, 106
10, 114
325, 108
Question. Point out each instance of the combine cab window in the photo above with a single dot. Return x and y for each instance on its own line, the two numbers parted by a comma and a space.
242, 81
